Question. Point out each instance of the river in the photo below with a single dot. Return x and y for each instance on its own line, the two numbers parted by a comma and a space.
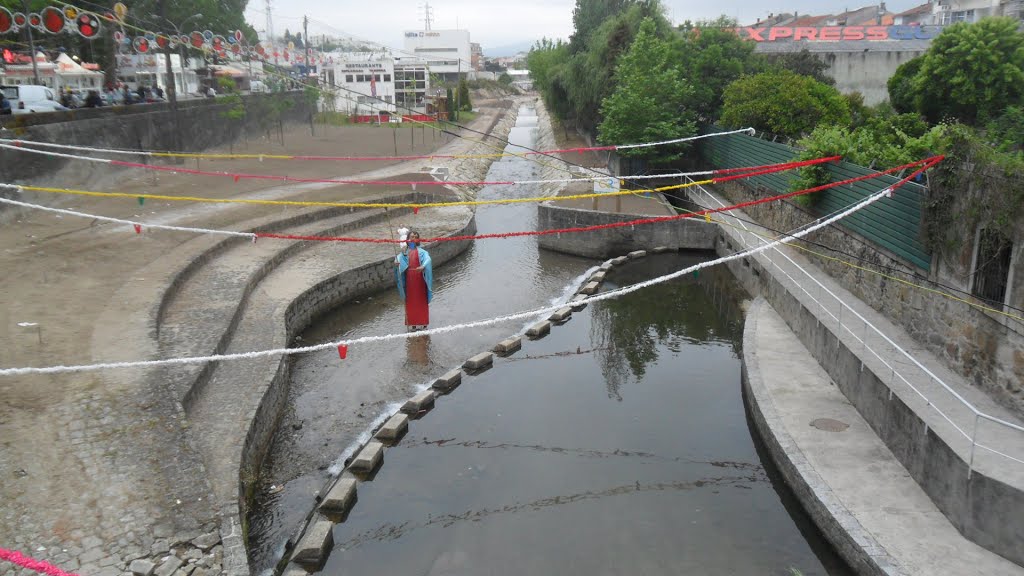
618, 443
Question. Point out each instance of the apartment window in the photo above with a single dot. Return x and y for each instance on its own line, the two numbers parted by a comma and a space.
957, 16
348, 78
992, 266
387, 77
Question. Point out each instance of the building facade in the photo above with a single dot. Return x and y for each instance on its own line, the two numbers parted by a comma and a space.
448, 53
367, 84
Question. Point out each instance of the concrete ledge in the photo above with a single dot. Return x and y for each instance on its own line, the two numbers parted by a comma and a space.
509, 346
661, 250
637, 254
393, 429
590, 288
479, 362
619, 261
293, 570
839, 526
340, 498
685, 233
419, 403
576, 302
316, 544
561, 315
369, 458
539, 329
448, 382
598, 276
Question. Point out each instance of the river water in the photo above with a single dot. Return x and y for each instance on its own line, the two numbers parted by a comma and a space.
617, 444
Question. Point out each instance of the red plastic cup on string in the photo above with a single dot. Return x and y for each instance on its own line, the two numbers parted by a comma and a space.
342, 351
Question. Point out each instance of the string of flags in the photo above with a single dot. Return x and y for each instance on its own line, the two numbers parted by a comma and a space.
70, 19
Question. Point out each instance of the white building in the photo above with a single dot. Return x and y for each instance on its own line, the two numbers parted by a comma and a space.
946, 12
447, 53
59, 74
367, 83
363, 82
151, 70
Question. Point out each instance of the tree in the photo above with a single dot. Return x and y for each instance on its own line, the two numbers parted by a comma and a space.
711, 53
505, 79
783, 103
453, 114
972, 71
901, 86
464, 103
804, 63
648, 103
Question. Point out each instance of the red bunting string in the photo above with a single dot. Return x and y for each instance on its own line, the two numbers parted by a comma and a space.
923, 164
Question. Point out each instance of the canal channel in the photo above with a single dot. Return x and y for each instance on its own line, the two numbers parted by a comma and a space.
619, 443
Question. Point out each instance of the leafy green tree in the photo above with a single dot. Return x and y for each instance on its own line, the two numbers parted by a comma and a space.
505, 79
453, 114
588, 15
901, 86
713, 57
1007, 131
544, 62
804, 63
648, 103
783, 103
590, 75
464, 101
972, 71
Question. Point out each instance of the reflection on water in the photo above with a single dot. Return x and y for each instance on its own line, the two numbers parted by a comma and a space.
617, 444
333, 404
661, 316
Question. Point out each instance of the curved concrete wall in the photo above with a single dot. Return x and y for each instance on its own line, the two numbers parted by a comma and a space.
684, 234
982, 508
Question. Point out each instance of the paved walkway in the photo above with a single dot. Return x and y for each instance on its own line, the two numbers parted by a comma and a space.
101, 469
851, 470
867, 473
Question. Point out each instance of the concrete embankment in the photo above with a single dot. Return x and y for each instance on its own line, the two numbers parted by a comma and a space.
899, 399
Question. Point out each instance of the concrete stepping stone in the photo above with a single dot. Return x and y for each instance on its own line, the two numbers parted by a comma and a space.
393, 429
561, 315
539, 329
340, 498
315, 544
508, 346
448, 382
480, 361
420, 402
369, 458
637, 254
590, 288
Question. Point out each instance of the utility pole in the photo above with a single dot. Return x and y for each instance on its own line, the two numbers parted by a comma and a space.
305, 41
31, 45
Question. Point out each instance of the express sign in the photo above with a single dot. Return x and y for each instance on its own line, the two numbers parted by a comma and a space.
837, 33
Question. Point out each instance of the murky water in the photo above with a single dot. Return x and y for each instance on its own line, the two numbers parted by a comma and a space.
332, 403
618, 444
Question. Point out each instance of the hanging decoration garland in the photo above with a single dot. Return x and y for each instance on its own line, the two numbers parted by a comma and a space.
52, 20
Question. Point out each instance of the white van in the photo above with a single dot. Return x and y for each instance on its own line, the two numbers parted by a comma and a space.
27, 98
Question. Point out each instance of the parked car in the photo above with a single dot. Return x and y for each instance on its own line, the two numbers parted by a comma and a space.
28, 98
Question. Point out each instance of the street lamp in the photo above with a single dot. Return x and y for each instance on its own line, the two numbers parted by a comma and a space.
171, 89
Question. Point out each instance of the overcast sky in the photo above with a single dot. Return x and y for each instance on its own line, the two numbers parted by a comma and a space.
495, 24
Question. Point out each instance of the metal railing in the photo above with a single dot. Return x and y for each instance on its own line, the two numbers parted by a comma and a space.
863, 340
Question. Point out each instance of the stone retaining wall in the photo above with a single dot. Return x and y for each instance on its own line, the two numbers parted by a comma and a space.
986, 349
199, 125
